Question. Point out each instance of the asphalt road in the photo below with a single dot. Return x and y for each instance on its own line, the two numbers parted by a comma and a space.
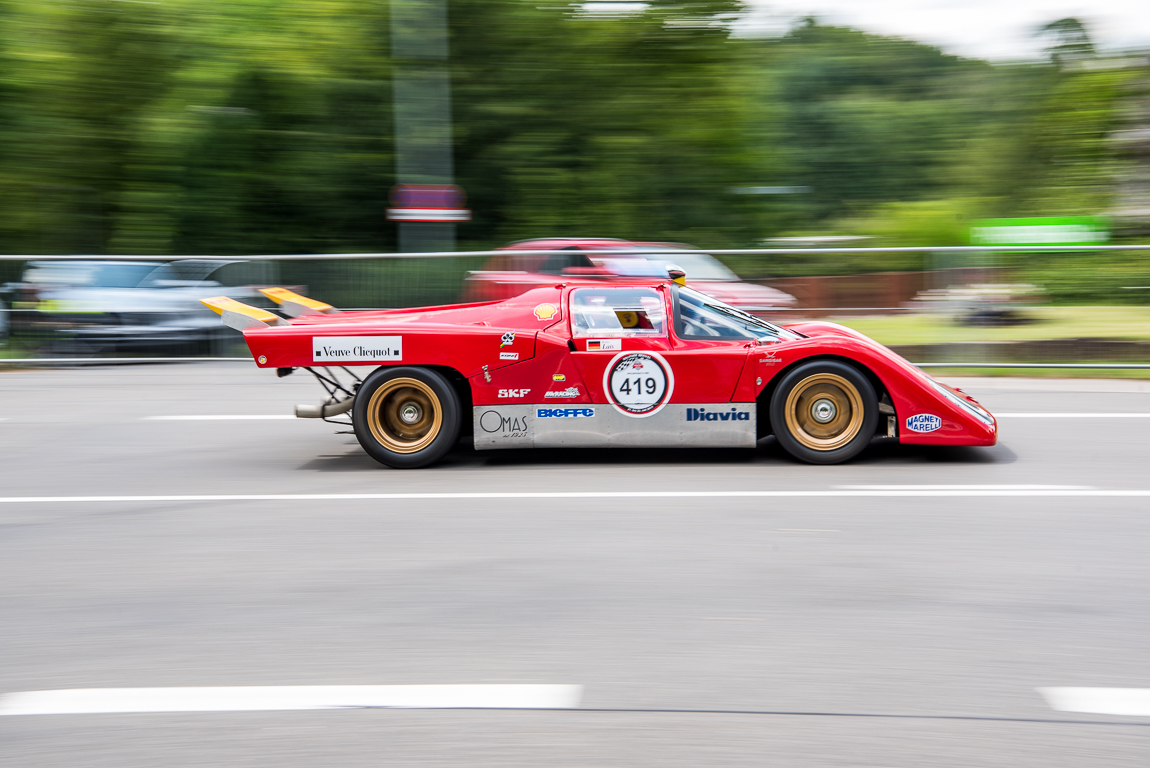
856, 630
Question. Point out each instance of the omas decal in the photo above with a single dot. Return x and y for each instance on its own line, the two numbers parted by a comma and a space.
507, 339
495, 423
638, 384
564, 413
923, 422
569, 392
702, 414
350, 349
508, 355
545, 311
604, 345
513, 392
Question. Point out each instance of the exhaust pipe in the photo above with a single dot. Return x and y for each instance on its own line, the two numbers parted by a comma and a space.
325, 410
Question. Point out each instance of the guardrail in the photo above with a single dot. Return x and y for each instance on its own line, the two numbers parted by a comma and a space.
409, 279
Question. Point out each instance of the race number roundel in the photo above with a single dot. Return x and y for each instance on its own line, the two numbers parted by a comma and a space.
638, 384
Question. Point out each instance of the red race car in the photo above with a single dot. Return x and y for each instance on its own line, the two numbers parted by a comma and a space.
582, 363
514, 272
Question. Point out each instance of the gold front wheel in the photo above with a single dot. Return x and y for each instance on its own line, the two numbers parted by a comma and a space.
824, 412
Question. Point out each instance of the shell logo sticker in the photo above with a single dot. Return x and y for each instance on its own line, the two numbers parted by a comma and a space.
638, 384
545, 311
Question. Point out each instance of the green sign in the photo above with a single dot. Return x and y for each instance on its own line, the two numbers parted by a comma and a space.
1045, 230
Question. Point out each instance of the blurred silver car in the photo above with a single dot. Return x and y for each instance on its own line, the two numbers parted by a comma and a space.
86, 307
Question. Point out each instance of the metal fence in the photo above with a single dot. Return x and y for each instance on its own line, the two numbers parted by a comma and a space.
389, 280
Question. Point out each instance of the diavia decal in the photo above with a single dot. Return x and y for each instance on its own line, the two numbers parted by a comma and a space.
495, 423
569, 392
638, 384
604, 345
508, 355
507, 339
923, 422
545, 311
564, 413
348, 349
702, 414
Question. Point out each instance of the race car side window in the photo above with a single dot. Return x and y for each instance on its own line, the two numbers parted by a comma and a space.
621, 311
698, 316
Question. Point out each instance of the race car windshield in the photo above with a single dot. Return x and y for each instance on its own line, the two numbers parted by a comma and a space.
699, 316
618, 312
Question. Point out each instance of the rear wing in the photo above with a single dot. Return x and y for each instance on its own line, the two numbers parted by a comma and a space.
294, 305
238, 315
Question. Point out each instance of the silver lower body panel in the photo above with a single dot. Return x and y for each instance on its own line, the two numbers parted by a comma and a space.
546, 425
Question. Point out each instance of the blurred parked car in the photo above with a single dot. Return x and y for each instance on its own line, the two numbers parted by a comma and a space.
513, 273
86, 307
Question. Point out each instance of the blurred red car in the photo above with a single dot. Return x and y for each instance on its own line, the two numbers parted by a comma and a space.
511, 274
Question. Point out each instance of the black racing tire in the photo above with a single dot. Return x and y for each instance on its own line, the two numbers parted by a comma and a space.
824, 412
406, 417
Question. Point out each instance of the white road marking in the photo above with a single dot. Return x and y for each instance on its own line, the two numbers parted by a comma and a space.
86, 701
222, 417
899, 492
731, 618
989, 487
1134, 702
1072, 415
810, 530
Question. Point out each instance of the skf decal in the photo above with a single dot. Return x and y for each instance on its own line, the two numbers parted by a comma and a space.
702, 414
923, 422
559, 377
508, 355
564, 413
569, 392
513, 392
545, 311
507, 339
604, 345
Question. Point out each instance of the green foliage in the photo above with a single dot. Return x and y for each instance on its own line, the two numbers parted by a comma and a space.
265, 126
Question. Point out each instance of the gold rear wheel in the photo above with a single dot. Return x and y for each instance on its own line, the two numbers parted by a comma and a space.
404, 415
824, 412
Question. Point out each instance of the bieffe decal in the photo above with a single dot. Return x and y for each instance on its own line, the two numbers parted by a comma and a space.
351, 349
564, 413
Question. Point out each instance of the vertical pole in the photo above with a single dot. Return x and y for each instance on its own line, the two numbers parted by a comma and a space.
422, 108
